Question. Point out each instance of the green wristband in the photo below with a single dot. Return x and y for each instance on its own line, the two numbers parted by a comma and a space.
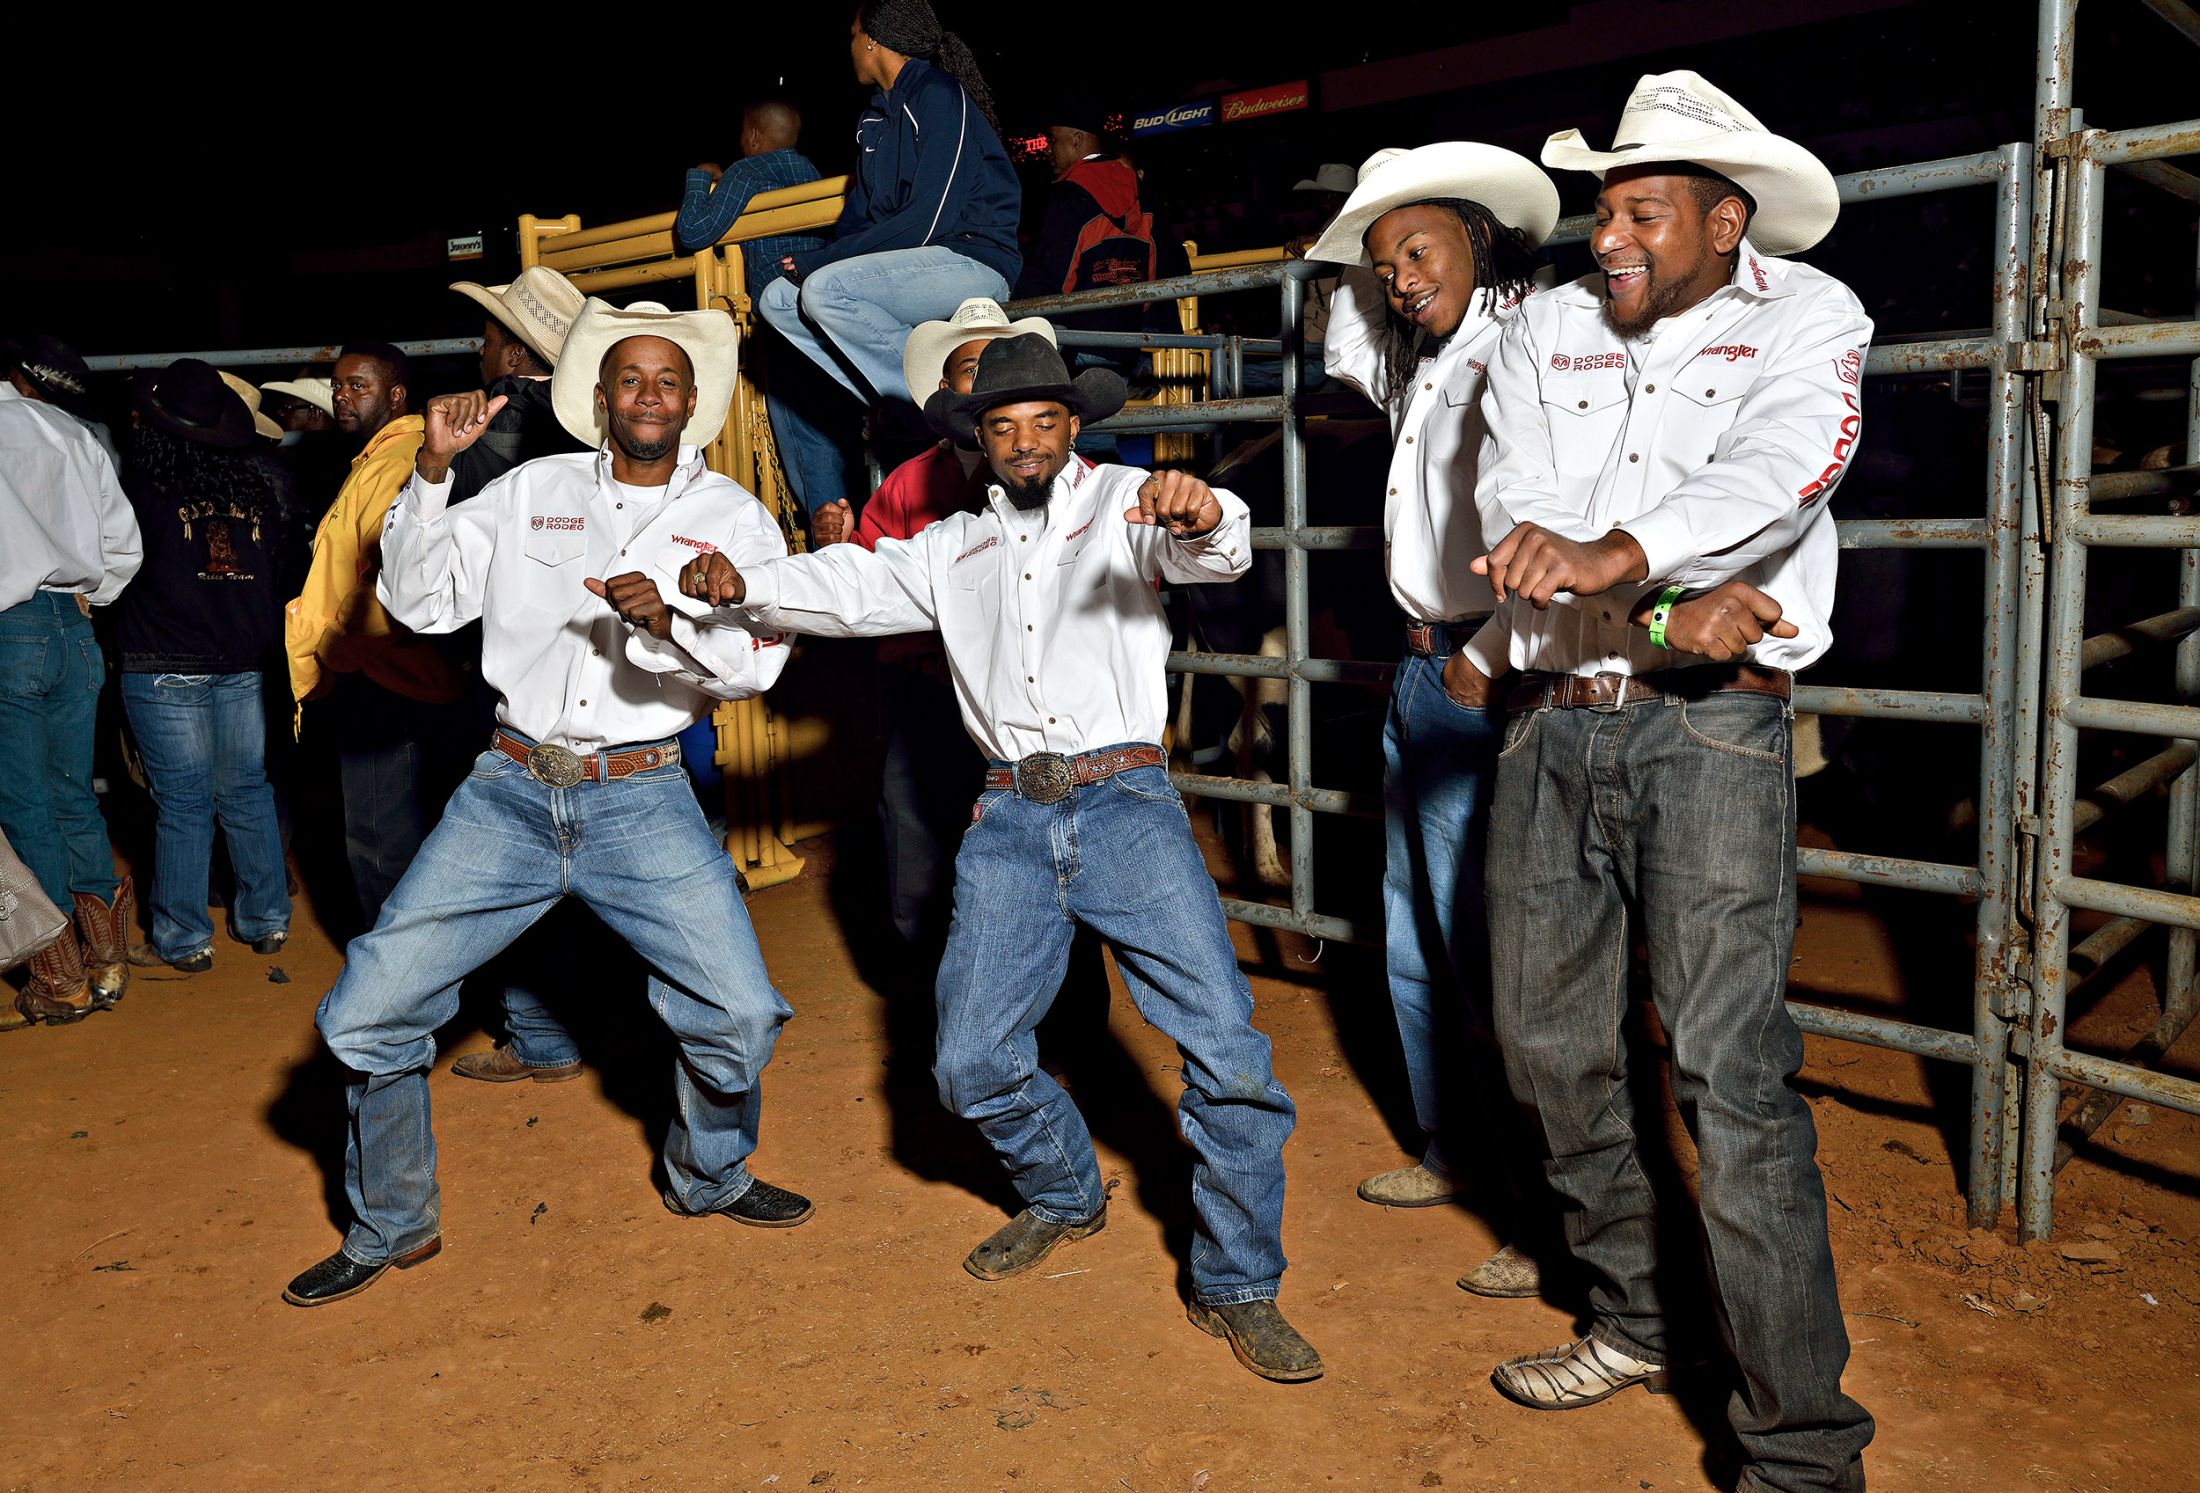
1662, 613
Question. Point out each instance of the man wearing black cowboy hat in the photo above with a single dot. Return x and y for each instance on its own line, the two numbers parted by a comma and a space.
195, 630
68, 543
1056, 641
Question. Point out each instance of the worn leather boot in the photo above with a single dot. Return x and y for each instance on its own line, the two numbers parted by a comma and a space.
57, 993
1262, 1340
105, 929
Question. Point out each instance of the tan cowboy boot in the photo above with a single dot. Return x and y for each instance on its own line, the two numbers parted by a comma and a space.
105, 927
57, 993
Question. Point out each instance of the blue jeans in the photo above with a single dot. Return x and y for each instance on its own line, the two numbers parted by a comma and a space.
203, 739
50, 673
1438, 762
1686, 809
796, 396
851, 318
1118, 857
507, 849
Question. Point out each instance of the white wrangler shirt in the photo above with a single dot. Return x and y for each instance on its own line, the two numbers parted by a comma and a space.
1431, 529
569, 671
1056, 639
1715, 442
64, 522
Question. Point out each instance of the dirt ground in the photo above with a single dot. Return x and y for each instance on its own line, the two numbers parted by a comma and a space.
169, 1169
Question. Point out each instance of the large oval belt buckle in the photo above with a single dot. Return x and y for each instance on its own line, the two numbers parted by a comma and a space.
554, 765
1045, 777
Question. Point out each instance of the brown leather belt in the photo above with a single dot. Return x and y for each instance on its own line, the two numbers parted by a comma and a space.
559, 767
1435, 639
1540, 691
1048, 777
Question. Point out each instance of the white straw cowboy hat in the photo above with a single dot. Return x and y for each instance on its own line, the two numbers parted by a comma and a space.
1511, 186
1680, 118
707, 337
924, 356
538, 308
1332, 177
318, 392
251, 398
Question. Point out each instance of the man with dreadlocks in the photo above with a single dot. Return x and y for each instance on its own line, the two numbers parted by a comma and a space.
1441, 242
931, 216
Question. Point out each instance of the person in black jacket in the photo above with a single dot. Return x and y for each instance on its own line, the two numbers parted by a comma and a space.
931, 217
194, 632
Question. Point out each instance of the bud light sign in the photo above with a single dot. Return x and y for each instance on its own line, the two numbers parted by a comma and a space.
1190, 116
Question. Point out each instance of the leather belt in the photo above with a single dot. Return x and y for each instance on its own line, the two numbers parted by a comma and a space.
558, 767
1541, 691
1048, 777
1436, 639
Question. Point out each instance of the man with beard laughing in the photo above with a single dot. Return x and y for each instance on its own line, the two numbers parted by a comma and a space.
1056, 643
581, 790
1668, 424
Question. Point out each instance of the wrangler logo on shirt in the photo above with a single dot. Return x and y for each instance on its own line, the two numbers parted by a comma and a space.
976, 549
696, 544
1731, 351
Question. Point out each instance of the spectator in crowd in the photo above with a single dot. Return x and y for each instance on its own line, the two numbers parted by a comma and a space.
931, 215
194, 630
68, 543
520, 341
579, 793
387, 690
50, 371
797, 389
1055, 638
1440, 244
300, 405
1324, 193
1672, 421
1093, 233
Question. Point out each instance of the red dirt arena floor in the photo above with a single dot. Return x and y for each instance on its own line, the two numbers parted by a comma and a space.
167, 1173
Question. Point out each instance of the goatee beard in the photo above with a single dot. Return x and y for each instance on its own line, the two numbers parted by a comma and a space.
1028, 497
657, 450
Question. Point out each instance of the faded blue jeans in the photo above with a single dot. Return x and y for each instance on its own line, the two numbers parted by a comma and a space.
1118, 857
1439, 761
852, 317
50, 673
1686, 809
638, 853
203, 738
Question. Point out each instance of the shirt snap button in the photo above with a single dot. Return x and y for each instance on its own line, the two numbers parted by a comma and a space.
1583, 405
1649, 388
1634, 456
1709, 393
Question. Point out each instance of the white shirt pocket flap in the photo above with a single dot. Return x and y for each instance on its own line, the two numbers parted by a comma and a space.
1710, 390
1584, 402
554, 546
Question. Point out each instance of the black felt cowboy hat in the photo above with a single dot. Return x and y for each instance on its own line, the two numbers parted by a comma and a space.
189, 399
1023, 370
53, 368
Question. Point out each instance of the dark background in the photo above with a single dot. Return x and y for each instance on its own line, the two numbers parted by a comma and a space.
171, 189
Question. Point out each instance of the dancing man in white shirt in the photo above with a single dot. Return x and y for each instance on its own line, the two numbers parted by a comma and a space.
1056, 642
581, 791
1671, 422
1441, 242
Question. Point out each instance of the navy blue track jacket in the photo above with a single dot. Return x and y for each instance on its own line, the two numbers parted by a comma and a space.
932, 172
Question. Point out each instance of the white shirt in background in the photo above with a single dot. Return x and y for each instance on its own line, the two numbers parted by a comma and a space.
64, 522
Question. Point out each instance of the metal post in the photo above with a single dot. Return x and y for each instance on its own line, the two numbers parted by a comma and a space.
2180, 998
2080, 253
1296, 640
1994, 975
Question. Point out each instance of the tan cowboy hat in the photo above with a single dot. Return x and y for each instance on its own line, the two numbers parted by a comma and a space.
318, 392
1511, 186
1333, 176
1678, 117
707, 337
538, 308
251, 398
924, 355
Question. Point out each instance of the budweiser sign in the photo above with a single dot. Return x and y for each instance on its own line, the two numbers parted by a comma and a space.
1254, 103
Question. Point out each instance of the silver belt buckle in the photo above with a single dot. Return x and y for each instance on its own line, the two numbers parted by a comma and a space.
554, 766
1045, 777
1619, 695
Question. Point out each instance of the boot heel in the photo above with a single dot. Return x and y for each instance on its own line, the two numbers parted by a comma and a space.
420, 1256
1660, 1383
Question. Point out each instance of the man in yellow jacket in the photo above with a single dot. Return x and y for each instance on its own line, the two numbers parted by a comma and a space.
388, 690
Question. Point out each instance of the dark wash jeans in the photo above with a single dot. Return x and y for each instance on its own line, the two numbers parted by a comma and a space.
1687, 809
